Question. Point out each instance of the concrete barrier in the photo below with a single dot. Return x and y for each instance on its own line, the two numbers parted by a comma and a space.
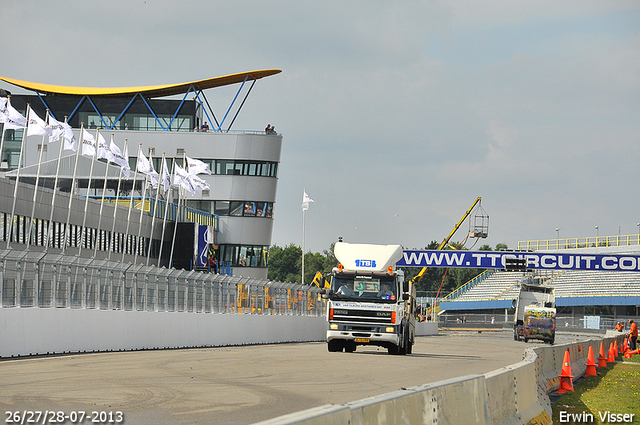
29, 331
516, 394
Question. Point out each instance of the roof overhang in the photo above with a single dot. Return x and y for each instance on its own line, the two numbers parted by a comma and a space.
146, 91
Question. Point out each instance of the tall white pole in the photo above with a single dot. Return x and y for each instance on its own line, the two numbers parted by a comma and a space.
179, 215
135, 176
144, 196
112, 244
155, 208
164, 220
104, 189
73, 184
15, 188
303, 232
53, 200
35, 190
86, 199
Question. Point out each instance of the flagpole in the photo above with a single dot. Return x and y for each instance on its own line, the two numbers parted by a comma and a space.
144, 195
304, 213
104, 189
135, 176
4, 129
53, 200
86, 199
178, 216
73, 184
15, 188
35, 190
164, 220
155, 208
115, 208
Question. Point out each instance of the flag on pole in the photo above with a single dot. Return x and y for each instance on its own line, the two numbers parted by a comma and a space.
305, 201
62, 129
3, 108
103, 149
117, 157
146, 167
37, 126
181, 178
12, 119
197, 167
166, 177
88, 143
198, 183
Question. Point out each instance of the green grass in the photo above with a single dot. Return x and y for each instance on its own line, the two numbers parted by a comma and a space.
616, 389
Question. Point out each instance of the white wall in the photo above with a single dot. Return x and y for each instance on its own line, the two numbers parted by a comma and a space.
25, 331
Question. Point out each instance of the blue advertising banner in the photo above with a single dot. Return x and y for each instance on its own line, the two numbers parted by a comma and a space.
205, 237
535, 260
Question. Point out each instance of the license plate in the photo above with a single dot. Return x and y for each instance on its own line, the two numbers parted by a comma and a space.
362, 339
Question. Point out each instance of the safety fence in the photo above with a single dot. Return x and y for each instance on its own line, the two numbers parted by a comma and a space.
41, 280
516, 394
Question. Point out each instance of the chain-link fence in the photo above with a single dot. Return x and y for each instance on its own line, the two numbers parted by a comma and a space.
35, 279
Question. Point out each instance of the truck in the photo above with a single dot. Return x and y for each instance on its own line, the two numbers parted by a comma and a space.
369, 302
535, 315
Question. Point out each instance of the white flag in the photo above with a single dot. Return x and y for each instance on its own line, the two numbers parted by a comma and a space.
12, 119
145, 166
61, 129
103, 149
88, 143
3, 109
305, 201
166, 177
37, 126
197, 167
198, 183
118, 157
181, 178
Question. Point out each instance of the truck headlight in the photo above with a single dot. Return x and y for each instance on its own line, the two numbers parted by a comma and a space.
333, 326
389, 329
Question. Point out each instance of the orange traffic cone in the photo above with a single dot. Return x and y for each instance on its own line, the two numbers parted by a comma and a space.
591, 364
624, 348
615, 349
602, 360
610, 358
566, 381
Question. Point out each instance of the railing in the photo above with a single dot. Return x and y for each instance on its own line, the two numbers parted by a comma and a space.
32, 279
572, 243
473, 282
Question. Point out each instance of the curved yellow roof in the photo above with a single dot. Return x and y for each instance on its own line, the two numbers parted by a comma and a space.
146, 91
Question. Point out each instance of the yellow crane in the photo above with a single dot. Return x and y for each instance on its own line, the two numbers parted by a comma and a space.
478, 232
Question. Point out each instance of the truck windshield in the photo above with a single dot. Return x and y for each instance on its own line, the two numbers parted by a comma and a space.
364, 288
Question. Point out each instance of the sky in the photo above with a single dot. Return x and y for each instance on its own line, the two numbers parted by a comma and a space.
395, 116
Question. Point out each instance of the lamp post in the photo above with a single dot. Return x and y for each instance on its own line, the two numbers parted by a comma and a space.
597, 235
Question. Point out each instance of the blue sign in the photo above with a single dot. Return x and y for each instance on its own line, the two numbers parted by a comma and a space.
535, 260
366, 263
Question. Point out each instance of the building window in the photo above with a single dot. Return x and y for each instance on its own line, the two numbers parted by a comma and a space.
244, 255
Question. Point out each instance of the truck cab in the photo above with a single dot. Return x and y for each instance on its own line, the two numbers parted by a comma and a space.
369, 301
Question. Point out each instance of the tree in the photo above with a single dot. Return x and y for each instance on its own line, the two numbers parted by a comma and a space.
285, 264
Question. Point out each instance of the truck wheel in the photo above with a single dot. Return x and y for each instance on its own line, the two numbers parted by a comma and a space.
335, 345
349, 347
526, 340
393, 350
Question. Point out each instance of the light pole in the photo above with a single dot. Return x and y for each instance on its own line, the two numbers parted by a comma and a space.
597, 235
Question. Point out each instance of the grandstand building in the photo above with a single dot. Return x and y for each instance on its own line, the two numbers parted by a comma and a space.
171, 120
578, 293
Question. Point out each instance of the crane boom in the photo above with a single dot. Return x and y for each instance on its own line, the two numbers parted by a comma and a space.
444, 243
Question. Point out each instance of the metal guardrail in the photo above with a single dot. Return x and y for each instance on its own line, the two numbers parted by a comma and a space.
39, 280
573, 243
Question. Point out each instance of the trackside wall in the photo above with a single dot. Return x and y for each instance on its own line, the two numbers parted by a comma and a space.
516, 394
30, 331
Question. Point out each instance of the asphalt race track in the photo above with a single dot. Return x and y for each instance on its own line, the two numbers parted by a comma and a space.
240, 385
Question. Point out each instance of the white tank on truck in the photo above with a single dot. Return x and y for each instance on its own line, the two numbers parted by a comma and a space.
369, 303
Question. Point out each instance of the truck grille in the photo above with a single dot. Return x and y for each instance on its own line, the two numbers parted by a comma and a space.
362, 316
